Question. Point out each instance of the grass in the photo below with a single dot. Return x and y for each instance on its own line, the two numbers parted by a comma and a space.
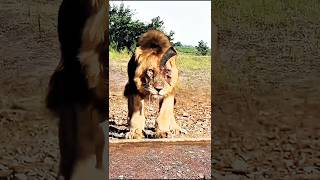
119, 56
186, 50
192, 62
185, 61
264, 13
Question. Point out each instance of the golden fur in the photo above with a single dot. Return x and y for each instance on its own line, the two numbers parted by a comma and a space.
77, 89
152, 71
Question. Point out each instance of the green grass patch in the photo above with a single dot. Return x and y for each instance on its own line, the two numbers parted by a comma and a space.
192, 62
186, 50
114, 55
263, 13
185, 61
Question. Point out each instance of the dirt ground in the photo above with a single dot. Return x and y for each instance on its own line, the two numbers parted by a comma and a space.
267, 103
29, 54
192, 110
166, 160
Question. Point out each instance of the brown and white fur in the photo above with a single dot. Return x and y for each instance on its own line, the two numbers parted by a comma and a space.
152, 71
77, 89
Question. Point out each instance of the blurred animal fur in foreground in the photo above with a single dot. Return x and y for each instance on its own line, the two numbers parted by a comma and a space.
152, 72
77, 90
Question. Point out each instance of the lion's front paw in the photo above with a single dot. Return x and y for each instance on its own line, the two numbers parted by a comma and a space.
177, 130
135, 134
163, 133
171, 132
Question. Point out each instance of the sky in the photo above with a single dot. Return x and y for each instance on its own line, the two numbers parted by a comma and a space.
190, 20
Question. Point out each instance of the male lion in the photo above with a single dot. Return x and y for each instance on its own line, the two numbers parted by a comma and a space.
152, 71
77, 89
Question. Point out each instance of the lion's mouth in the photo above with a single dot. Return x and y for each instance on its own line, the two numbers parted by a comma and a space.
155, 96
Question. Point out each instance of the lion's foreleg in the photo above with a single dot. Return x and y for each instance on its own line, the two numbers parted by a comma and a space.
136, 117
99, 140
67, 142
90, 146
166, 123
165, 115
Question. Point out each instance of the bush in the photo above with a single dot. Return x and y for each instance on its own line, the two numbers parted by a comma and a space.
202, 48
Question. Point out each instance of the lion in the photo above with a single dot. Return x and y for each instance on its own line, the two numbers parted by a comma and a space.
152, 71
77, 92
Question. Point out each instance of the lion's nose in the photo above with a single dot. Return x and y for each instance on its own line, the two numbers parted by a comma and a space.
158, 89
158, 86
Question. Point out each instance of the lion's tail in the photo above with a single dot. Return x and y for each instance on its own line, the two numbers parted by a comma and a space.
154, 40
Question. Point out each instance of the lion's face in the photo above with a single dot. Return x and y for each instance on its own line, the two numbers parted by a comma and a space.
156, 80
156, 75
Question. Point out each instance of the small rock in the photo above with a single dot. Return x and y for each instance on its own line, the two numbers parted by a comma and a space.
21, 177
47, 160
28, 159
184, 114
32, 173
239, 165
2, 167
310, 169
201, 176
179, 175
5, 173
289, 163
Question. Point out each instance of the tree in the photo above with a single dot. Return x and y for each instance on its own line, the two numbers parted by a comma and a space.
202, 48
124, 31
177, 44
157, 24
170, 36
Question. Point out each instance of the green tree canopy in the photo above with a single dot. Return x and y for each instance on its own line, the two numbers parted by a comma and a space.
124, 31
178, 44
202, 48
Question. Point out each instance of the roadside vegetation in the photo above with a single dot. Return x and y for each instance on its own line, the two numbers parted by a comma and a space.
124, 31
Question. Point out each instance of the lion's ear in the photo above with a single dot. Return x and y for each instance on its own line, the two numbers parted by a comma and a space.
167, 55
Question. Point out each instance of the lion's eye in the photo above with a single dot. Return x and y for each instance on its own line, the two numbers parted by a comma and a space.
149, 73
168, 73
